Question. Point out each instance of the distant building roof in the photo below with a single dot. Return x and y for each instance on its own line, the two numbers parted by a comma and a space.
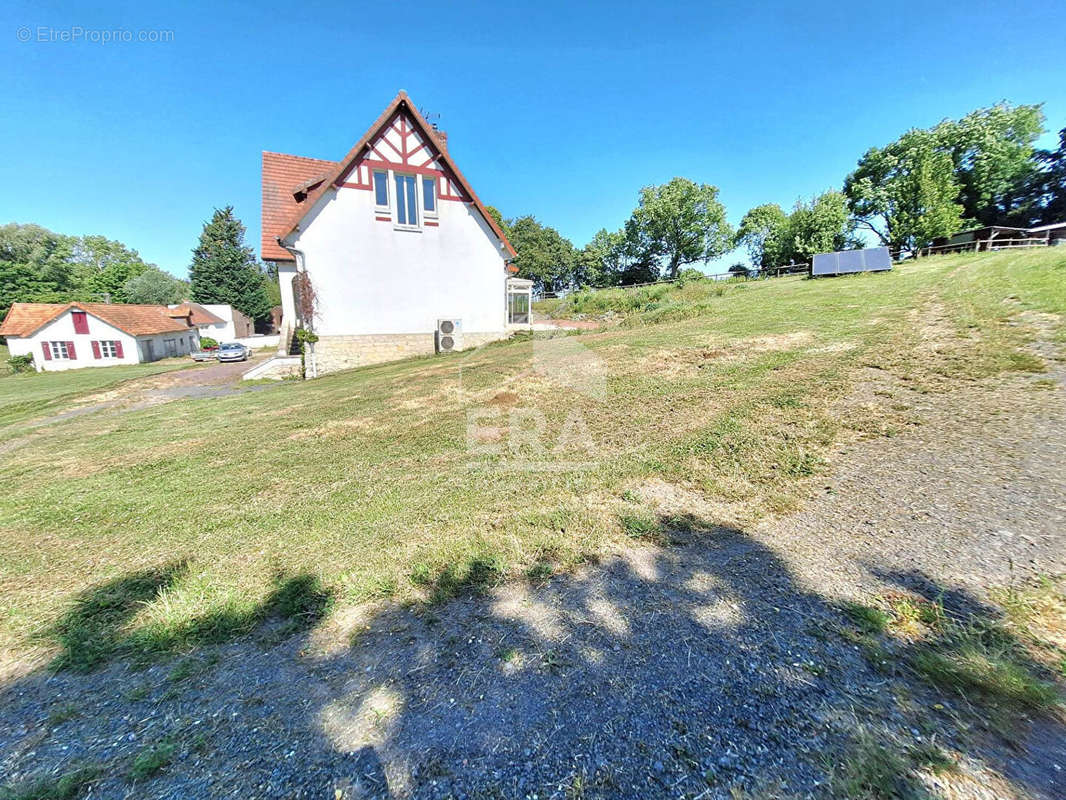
1050, 227
197, 314
25, 319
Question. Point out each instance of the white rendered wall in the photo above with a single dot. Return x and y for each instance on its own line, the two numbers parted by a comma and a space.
61, 329
370, 278
225, 331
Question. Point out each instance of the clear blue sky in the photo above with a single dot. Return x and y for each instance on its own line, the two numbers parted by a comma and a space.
559, 109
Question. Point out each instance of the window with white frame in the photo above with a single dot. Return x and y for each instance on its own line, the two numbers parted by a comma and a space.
108, 348
59, 349
381, 191
406, 201
429, 196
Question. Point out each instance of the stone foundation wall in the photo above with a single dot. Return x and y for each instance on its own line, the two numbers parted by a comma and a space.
277, 368
333, 353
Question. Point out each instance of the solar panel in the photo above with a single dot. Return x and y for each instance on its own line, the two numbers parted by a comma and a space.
872, 259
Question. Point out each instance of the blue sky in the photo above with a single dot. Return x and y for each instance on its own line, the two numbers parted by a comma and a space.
559, 109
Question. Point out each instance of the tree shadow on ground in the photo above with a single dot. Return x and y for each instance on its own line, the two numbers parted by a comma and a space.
96, 629
699, 670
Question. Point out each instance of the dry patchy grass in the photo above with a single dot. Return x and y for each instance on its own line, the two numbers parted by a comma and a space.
364, 481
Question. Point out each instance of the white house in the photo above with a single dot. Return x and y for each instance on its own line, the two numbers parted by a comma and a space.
70, 335
392, 240
220, 321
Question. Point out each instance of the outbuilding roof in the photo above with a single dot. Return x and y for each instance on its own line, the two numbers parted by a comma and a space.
25, 319
196, 313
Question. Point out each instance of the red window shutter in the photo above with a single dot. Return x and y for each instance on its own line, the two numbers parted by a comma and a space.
70, 351
81, 321
96, 349
118, 349
47, 347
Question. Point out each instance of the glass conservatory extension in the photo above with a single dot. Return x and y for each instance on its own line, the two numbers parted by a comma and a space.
519, 301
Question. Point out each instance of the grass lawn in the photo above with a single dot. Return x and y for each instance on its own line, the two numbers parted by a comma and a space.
28, 395
197, 511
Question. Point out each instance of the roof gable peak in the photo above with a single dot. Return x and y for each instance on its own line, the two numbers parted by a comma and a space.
421, 142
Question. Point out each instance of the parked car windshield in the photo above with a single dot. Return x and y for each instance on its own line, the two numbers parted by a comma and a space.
231, 346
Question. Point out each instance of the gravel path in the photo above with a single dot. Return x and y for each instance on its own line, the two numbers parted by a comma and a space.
706, 668
212, 380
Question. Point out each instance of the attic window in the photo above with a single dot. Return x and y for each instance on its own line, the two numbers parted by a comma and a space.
429, 195
381, 190
81, 321
406, 201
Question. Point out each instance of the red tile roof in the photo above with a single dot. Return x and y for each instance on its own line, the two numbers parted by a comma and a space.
25, 319
282, 207
282, 175
196, 313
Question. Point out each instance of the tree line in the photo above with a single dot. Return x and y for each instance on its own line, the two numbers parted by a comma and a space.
41, 266
982, 169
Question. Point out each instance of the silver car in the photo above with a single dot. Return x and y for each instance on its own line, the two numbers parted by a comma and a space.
233, 351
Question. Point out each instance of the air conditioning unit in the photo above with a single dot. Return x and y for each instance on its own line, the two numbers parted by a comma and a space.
449, 335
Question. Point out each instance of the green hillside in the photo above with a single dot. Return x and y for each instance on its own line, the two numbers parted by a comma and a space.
374, 481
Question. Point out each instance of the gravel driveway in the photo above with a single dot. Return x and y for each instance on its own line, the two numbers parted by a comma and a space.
703, 670
212, 379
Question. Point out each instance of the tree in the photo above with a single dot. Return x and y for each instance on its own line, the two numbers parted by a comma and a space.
544, 256
821, 226
678, 223
763, 232
104, 266
610, 259
35, 266
774, 238
223, 270
992, 156
153, 287
980, 167
497, 218
1045, 196
906, 193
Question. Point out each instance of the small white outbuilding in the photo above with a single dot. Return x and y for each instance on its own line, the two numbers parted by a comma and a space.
63, 336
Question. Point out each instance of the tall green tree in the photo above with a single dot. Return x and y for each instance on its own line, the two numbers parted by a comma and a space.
35, 267
906, 193
678, 223
544, 256
774, 238
763, 232
992, 158
154, 287
223, 270
978, 168
1045, 197
611, 259
821, 226
104, 266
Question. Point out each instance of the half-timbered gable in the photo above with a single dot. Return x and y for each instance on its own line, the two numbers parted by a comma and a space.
392, 238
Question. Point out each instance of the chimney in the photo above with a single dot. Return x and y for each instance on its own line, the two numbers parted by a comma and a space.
442, 137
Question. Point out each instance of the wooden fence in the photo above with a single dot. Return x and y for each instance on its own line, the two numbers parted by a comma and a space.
775, 272
985, 246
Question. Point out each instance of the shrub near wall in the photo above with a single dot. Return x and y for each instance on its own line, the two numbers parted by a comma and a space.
21, 363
